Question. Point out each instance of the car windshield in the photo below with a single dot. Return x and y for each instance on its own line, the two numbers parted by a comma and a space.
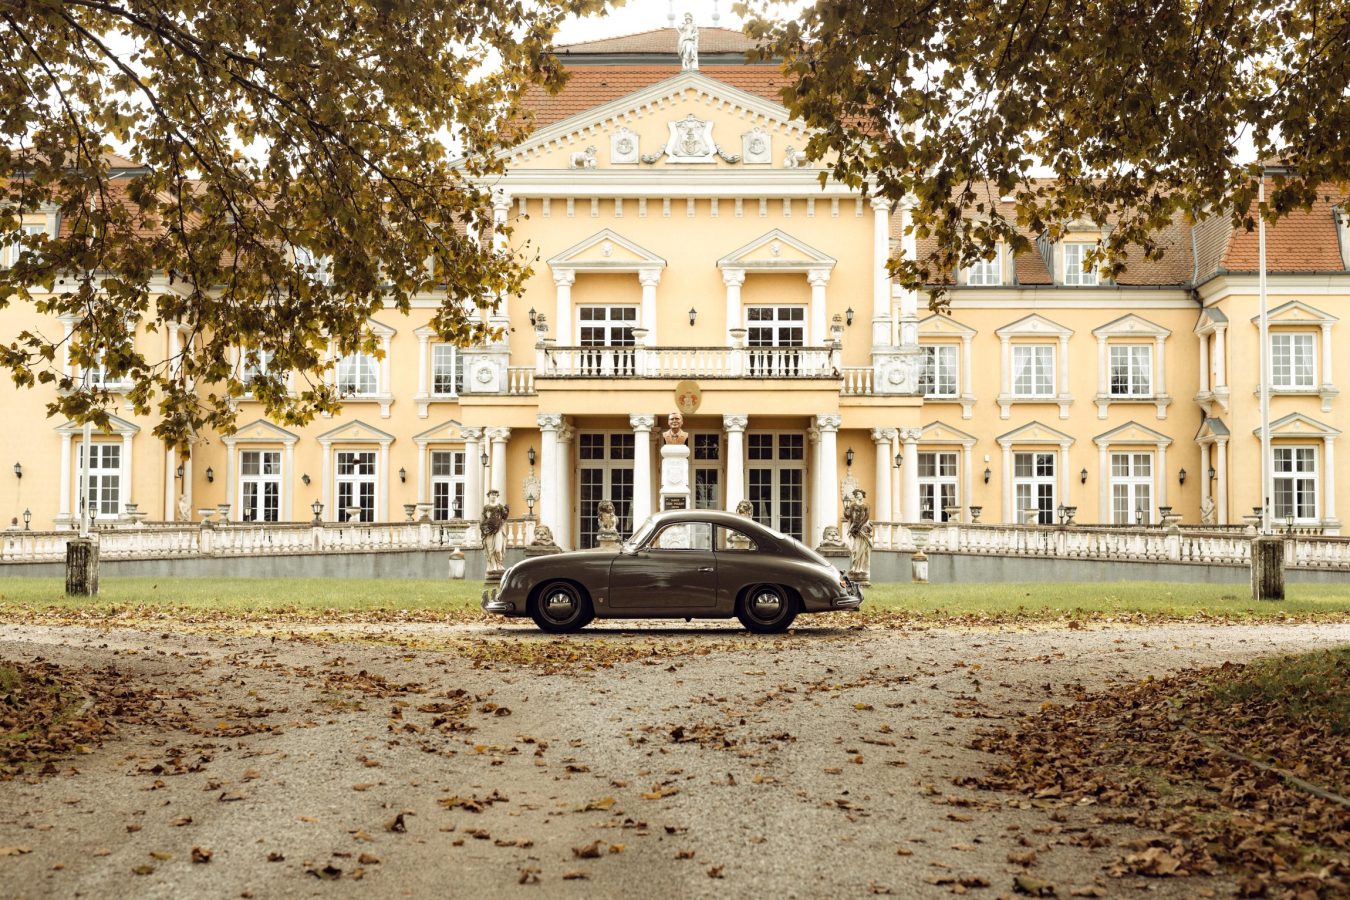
640, 535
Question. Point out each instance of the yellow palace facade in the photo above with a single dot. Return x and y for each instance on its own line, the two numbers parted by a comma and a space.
681, 241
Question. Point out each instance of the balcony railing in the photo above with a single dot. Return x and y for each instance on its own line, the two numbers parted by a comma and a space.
688, 362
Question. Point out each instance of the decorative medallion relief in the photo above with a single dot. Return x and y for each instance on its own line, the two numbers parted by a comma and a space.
757, 147
623, 147
691, 141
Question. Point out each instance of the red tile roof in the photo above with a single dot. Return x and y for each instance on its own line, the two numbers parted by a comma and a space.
1301, 241
591, 86
660, 40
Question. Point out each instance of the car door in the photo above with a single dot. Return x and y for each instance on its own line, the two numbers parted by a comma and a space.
675, 571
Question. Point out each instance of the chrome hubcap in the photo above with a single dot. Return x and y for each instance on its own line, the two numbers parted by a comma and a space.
559, 604
766, 604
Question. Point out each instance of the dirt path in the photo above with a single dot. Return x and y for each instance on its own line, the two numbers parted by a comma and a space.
703, 761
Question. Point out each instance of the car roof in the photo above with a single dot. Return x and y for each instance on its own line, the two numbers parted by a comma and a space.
717, 517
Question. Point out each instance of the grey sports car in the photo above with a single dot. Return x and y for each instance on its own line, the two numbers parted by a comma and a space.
680, 565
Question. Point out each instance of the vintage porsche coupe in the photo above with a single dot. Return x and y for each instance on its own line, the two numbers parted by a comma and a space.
689, 564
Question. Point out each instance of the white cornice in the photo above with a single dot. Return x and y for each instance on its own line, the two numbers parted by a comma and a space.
672, 182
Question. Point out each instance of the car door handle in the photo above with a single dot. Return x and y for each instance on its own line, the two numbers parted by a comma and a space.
705, 568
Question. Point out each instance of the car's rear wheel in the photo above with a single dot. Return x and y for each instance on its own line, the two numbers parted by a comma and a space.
766, 609
561, 607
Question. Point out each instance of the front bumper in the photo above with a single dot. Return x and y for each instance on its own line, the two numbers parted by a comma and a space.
848, 602
493, 603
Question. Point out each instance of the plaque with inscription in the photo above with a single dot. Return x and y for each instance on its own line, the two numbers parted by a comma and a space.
675, 503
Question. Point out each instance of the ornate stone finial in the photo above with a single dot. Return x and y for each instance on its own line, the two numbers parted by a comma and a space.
688, 43
716, 16
670, 16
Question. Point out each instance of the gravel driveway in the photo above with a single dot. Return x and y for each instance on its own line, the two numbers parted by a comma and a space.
638, 761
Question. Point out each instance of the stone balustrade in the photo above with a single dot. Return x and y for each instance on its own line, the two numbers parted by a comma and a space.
856, 381
257, 539
688, 362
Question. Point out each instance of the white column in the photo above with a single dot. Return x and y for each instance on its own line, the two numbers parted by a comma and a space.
1010, 514
1162, 474
1065, 477
548, 470
501, 208
909, 438
1063, 386
1160, 380
1221, 465
564, 512
169, 467
966, 462
1204, 363
499, 437
423, 492
881, 505
288, 481
382, 485
1220, 358
326, 482
735, 426
187, 484
231, 496
909, 300
881, 276
473, 474
63, 511
1328, 479
423, 377
1104, 512
1204, 474
1326, 354
1103, 379
642, 467
818, 279
1005, 371
127, 493
827, 476
733, 279
649, 279
967, 387
562, 315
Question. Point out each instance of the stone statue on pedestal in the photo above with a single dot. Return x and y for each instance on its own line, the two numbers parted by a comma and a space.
675, 433
543, 542
688, 45
857, 520
608, 519
493, 530
1207, 511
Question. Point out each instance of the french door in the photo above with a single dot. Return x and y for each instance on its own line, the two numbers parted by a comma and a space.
771, 333
606, 474
776, 481
447, 485
937, 485
356, 484
260, 485
606, 336
1034, 486
707, 463
1131, 488
103, 482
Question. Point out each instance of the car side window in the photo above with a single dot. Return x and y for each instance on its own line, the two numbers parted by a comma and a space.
684, 536
731, 540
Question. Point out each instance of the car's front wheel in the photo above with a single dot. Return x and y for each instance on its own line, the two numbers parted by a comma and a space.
561, 607
766, 609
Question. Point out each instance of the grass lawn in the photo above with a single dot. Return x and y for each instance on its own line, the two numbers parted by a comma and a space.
1028, 602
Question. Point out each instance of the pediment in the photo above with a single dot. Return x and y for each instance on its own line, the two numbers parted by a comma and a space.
116, 425
260, 430
1034, 325
942, 433
1131, 433
1212, 429
1210, 316
449, 431
638, 128
355, 432
1297, 425
1034, 433
777, 250
1296, 312
1131, 325
606, 250
938, 325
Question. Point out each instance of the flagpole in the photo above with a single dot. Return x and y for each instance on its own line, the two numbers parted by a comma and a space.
1267, 464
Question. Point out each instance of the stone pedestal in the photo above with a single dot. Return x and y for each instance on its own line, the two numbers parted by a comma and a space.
675, 490
82, 567
608, 541
1267, 568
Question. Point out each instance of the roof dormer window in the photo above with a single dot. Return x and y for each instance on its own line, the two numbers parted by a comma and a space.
1075, 252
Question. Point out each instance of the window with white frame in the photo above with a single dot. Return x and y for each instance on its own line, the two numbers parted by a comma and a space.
707, 463
447, 484
1131, 370
103, 480
358, 375
356, 485
937, 485
1295, 483
1293, 360
1131, 488
938, 378
1034, 488
1074, 254
1033, 370
254, 362
986, 272
260, 485
26, 239
447, 370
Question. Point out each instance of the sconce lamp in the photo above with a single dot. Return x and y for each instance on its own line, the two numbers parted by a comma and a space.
848, 316
1181, 476
899, 460
483, 458
27, 517
1139, 517
529, 454
317, 508
987, 474
848, 457
402, 475
305, 479
1082, 477
210, 475
179, 472
534, 317
18, 470
693, 315
1212, 473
